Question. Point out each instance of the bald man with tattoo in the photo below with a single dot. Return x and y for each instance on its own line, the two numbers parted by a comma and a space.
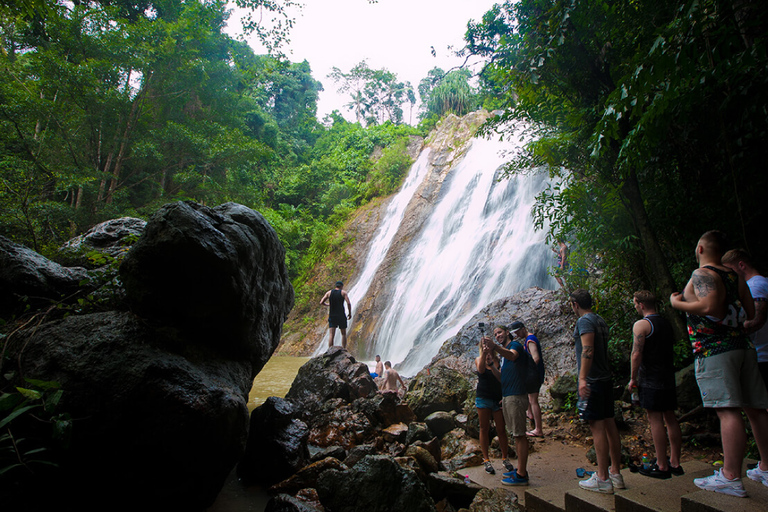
725, 362
596, 394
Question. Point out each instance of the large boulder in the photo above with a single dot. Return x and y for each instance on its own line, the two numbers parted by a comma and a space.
29, 281
276, 446
335, 374
159, 394
375, 484
441, 389
112, 238
214, 275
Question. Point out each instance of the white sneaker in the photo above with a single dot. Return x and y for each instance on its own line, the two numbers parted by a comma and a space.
595, 484
758, 475
719, 483
617, 480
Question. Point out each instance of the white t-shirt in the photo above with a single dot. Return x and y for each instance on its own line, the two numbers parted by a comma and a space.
758, 286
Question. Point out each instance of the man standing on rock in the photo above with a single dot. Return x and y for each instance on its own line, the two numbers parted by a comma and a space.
335, 300
740, 262
653, 374
514, 403
596, 394
725, 362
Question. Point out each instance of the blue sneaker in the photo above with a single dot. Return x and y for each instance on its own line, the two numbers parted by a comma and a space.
515, 479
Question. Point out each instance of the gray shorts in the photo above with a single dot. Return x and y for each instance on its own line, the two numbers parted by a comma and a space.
731, 379
514, 408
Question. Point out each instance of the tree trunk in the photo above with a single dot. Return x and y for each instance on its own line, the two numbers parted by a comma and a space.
656, 263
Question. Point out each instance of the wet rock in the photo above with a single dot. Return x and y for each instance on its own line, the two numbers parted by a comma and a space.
288, 503
340, 426
432, 446
357, 453
113, 238
306, 476
418, 431
335, 374
29, 280
375, 484
425, 459
459, 450
441, 389
384, 409
440, 422
395, 433
276, 446
499, 499
459, 493
316, 454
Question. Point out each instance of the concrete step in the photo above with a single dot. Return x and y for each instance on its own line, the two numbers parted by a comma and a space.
708, 501
567, 496
661, 495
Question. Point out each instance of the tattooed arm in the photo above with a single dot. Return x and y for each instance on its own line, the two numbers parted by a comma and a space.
587, 354
761, 314
640, 331
703, 295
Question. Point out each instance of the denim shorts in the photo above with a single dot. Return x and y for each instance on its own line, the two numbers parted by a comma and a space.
488, 403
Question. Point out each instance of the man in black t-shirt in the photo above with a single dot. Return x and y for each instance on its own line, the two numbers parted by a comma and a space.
335, 300
653, 374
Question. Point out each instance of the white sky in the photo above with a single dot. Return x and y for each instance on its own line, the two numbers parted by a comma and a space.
392, 34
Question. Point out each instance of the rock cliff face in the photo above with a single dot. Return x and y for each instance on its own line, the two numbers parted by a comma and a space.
158, 389
306, 327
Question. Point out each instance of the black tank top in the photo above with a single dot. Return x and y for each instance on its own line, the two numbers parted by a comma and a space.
336, 302
657, 371
488, 386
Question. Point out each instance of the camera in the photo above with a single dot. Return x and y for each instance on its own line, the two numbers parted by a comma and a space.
481, 326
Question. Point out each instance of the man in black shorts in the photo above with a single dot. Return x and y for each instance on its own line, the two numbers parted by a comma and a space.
596, 394
335, 300
653, 374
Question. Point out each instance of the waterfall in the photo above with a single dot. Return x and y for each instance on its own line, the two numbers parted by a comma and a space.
385, 233
477, 245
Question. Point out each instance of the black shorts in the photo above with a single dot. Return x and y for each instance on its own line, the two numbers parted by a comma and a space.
599, 405
339, 321
658, 399
763, 367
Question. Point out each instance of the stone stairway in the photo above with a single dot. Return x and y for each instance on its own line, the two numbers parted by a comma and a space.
644, 494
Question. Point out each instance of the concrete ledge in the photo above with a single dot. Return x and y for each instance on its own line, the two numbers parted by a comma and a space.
708, 501
661, 495
550, 498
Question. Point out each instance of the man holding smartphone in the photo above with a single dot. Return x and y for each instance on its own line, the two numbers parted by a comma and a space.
514, 403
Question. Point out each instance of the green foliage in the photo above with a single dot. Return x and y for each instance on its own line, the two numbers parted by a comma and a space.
32, 412
647, 116
443, 93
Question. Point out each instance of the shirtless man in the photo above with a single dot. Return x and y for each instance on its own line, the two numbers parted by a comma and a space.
725, 362
335, 300
392, 378
379, 368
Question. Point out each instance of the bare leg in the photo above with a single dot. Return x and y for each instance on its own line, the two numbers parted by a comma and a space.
331, 335
533, 404
343, 337
484, 417
758, 418
521, 444
659, 435
602, 451
734, 438
675, 437
614, 445
501, 430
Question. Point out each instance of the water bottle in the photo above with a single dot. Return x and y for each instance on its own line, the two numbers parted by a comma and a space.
646, 462
466, 479
635, 397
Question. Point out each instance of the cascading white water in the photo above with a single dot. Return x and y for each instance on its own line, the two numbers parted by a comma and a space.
478, 245
385, 233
